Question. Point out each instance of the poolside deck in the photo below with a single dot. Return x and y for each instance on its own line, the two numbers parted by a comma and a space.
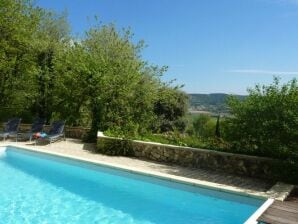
279, 212
220, 180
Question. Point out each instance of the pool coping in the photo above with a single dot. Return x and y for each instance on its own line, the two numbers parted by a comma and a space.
159, 175
254, 217
279, 191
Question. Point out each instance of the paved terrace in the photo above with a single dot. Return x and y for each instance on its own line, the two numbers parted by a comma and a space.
223, 181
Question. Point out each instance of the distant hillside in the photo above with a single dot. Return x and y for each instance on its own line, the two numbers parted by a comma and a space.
214, 102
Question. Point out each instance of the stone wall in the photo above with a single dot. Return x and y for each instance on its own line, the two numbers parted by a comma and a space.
70, 132
251, 166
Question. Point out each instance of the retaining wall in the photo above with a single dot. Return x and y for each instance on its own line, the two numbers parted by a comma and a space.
251, 166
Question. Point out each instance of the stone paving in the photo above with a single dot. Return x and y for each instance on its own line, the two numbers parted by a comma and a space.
75, 148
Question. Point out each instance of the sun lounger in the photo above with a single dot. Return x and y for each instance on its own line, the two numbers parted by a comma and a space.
56, 132
36, 127
11, 128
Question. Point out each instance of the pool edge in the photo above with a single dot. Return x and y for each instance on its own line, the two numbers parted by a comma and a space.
253, 219
159, 175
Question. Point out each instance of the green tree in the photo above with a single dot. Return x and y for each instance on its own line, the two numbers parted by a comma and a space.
99, 81
71, 81
30, 38
18, 22
51, 37
204, 126
105, 83
170, 108
266, 122
115, 74
217, 127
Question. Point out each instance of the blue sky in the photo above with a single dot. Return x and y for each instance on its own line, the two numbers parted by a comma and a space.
209, 45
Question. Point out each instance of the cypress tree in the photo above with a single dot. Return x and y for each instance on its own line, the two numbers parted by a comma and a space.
217, 128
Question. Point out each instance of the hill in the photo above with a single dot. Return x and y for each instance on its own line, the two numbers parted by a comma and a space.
213, 103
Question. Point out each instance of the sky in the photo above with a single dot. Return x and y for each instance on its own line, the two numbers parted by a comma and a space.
210, 46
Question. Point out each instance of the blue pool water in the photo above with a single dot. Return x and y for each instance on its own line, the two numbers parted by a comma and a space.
38, 188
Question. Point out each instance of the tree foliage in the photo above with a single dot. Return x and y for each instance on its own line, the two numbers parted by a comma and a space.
51, 37
204, 126
170, 107
266, 122
99, 80
18, 21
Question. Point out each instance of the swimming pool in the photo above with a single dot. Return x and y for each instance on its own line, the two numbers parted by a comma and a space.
40, 188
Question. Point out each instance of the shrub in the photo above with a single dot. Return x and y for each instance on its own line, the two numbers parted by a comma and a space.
112, 147
204, 126
266, 122
170, 109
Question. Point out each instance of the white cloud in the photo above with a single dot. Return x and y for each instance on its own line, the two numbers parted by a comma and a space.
262, 72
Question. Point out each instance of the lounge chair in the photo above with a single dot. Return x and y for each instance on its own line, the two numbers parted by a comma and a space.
56, 132
11, 128
36, 127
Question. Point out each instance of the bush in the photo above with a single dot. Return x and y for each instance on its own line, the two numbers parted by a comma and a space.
204, 126
170, 109
111, 147
176, 138
266, 122
286, 170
